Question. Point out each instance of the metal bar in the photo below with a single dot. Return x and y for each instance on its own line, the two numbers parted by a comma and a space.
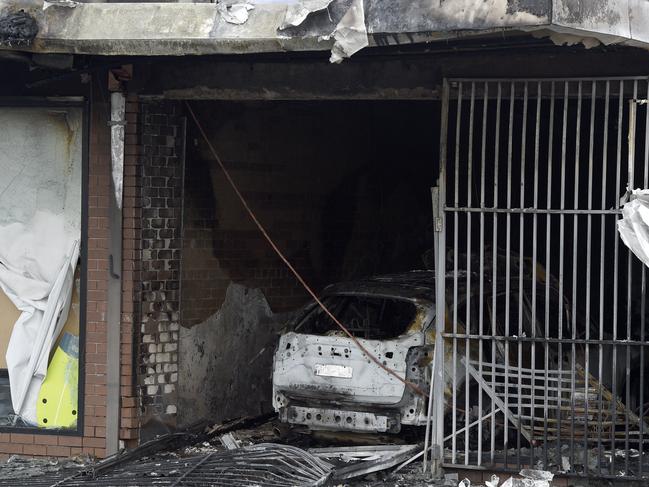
495, 260
483, 164
562, 80
456, 226
521, 251
508, 264
548, 228
602, 243
551, 372
575, 238
616, 255
551, 211
568, 341
432, 384
440, 300
476, 422
561, 239
631, 142
537, 142
467, 321
589, 233
643, 301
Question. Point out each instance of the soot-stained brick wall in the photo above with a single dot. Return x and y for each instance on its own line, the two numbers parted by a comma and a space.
342, 187
162, 174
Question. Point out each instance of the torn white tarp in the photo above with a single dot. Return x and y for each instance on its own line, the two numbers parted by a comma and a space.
117, 123
350, 34
235, 13
40, 228
634, 225
296, 13
59, 3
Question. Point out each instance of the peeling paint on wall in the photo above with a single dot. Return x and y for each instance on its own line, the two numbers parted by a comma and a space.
117, 122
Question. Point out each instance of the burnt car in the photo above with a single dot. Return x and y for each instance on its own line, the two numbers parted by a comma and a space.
321, 379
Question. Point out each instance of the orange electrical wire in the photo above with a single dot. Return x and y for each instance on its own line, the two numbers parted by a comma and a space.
297, 275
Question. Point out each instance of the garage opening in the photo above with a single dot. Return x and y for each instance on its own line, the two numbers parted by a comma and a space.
545, 342
343, 187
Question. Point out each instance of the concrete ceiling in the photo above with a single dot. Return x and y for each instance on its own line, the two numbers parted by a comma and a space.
156, 29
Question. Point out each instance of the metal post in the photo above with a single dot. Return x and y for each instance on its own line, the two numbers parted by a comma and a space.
437, 432
114, 292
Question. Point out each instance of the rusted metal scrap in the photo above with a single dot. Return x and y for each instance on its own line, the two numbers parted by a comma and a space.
353, 462
260, 465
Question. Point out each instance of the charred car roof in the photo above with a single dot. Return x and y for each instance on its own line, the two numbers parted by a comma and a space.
410, 285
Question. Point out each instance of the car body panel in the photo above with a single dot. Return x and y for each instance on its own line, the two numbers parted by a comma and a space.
301, 359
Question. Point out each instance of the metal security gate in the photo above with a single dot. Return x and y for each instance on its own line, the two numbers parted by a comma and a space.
545, 344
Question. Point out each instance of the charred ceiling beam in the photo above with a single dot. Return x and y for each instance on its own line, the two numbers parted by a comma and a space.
409, 76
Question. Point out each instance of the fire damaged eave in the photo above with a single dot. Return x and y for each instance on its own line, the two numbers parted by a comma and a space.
176, 29
146, 29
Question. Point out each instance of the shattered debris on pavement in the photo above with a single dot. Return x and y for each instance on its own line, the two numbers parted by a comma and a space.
248, 451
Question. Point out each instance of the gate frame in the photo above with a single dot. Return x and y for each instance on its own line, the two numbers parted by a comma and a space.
441, 208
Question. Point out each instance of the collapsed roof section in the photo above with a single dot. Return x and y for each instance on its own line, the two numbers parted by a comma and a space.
342, 26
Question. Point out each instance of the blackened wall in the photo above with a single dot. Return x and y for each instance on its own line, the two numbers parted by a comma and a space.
162, 171
344, 190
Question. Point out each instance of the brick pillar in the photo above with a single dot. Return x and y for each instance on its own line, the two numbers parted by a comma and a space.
131, 270
162, 174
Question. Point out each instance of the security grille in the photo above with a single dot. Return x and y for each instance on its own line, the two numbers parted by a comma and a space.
545, 347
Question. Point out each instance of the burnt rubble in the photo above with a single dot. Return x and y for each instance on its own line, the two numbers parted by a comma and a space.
17, 28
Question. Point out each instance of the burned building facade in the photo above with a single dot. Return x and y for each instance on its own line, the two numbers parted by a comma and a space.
335, 119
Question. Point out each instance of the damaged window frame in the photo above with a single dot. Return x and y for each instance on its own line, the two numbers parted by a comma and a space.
81, 103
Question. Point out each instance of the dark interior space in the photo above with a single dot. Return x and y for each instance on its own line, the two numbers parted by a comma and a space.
343, 187
344, 190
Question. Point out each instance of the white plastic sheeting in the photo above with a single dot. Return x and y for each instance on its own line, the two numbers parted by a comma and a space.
40, 229
634, 225
351, 33
118, 122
